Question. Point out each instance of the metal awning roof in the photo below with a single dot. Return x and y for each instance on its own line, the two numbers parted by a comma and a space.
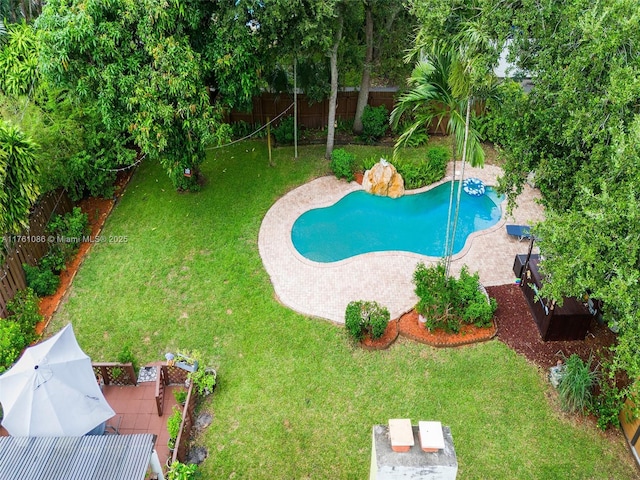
98, 457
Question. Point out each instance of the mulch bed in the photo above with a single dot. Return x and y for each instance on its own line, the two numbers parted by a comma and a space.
411, 328
518, 330
513, 325
388, 337
97, 210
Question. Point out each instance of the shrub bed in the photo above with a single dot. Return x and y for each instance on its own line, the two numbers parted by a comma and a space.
447, 302
419, 173
17, 331
343, 164
375, 122
68, 231
366, 318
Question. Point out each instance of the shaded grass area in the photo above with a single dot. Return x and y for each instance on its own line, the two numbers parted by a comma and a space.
296, 399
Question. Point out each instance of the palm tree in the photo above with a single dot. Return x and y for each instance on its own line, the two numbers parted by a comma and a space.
434, 96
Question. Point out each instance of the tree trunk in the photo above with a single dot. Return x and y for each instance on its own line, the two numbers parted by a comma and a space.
365, 83
333, 59
449, 212
464, 159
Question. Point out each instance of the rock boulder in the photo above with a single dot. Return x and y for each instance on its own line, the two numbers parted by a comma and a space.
383, 179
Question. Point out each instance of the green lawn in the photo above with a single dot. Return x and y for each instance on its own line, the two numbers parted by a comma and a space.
295, 398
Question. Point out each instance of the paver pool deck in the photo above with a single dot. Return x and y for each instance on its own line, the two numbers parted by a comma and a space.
325, 289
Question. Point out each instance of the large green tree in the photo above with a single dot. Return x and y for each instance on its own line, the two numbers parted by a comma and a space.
432, 98
580, 138
75, 152
136, 62
595, 246
234, 45
584, 61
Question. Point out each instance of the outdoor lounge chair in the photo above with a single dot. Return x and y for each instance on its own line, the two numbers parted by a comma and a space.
521, 232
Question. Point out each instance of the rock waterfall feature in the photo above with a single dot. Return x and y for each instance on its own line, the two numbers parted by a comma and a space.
383, 179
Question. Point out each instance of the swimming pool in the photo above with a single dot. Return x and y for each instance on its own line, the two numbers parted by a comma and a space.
361, 223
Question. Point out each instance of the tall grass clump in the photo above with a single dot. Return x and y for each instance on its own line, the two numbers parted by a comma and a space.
576, 385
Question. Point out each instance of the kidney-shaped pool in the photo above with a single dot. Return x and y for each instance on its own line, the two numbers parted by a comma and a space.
361, 223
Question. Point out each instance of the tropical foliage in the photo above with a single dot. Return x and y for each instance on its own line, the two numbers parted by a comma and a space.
19, 60
448, 303
135, 62
18, 178
578, 131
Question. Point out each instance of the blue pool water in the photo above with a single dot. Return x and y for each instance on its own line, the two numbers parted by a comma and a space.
361, 223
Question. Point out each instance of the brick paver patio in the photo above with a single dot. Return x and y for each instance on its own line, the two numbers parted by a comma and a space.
324, 289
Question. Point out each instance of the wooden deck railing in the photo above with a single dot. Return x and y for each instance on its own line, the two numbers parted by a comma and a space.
180, 452
167, 375
113, 373
160, 384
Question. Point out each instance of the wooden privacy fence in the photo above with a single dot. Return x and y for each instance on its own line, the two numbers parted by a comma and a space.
631, 428
30, 246
315, 115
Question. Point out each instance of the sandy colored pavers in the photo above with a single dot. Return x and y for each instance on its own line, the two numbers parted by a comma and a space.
324, 289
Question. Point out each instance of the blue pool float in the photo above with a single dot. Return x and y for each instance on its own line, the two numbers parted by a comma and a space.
474, 187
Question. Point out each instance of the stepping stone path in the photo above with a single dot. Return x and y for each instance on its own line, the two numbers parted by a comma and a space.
197, 455
202, 421
147, 374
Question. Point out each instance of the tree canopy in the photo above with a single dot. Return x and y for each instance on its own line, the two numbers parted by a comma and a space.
136, 63
577, 131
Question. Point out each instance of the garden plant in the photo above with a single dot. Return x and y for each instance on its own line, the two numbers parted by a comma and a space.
447, 302
366, 318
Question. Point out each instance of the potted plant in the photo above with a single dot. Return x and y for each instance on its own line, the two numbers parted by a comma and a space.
180, 395
204, 380
188, 362
181, 471
173, 427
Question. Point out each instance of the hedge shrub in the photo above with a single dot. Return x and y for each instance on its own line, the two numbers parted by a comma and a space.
17, 331
343, 164
12, 342
68, 229
364, 317
42, 280
25, 311
447, 303
375, 122
420, 173
283, 133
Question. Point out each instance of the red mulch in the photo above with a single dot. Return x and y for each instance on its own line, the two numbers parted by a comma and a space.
513, 325
411, 328
388, 337
97, 210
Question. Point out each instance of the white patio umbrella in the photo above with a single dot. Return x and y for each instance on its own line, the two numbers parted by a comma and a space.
52, 391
